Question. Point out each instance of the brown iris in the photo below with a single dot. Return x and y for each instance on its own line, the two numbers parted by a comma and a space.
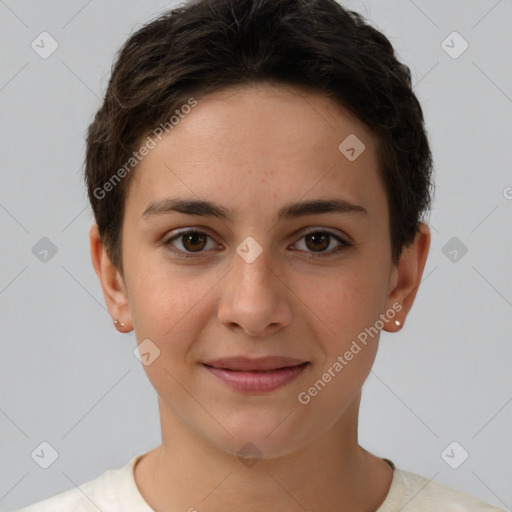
320, 241
194, 241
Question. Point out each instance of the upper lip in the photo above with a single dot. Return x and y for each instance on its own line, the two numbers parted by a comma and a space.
247, 364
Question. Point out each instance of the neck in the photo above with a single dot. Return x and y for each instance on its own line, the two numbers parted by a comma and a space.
333, 472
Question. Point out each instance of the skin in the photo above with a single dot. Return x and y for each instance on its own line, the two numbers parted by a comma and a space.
254, 149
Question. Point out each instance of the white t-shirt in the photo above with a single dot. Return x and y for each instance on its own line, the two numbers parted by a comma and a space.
116, 491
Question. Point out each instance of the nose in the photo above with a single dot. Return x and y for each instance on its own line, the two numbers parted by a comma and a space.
254, 297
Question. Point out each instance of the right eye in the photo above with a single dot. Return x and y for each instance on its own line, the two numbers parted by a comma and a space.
192, 242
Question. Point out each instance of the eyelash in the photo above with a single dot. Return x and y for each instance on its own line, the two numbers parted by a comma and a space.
343, 244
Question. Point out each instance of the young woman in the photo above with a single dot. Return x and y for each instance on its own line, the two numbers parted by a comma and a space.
258, 172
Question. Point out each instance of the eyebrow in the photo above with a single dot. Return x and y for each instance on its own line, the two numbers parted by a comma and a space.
289, 211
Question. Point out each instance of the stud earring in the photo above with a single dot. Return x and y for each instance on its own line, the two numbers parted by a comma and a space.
118, 323
398, 323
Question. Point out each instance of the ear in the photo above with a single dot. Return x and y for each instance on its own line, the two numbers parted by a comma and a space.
112, 282
406, 277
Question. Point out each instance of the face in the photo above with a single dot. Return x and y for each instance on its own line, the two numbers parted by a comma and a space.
259, 278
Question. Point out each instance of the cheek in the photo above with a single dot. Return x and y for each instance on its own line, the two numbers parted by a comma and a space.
344, 311
167, 304
345, 302
169, 313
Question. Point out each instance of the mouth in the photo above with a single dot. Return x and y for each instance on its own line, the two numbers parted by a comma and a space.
253, 371
269, 363
256, 376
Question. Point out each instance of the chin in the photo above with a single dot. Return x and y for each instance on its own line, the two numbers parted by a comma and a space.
261, 438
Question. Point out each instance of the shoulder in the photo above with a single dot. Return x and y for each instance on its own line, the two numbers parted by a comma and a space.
419, 494
91, 496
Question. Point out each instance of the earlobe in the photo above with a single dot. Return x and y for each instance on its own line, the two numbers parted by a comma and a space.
408, 274
111, 281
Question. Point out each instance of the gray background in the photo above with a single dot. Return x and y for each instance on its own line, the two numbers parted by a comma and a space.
70, 379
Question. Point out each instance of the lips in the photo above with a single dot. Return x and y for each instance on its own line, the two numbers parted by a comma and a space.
256, 375
263, 364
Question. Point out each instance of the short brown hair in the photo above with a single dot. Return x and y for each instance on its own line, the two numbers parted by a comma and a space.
208, 45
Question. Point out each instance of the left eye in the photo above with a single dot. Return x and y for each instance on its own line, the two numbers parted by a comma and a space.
193, 243
319, 241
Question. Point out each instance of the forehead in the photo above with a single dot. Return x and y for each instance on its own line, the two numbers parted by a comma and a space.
258, 140
279, 117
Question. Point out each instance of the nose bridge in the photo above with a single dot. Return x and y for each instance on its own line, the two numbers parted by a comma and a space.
254, 272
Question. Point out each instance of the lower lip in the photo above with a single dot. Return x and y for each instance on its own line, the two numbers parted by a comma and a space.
257, 381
